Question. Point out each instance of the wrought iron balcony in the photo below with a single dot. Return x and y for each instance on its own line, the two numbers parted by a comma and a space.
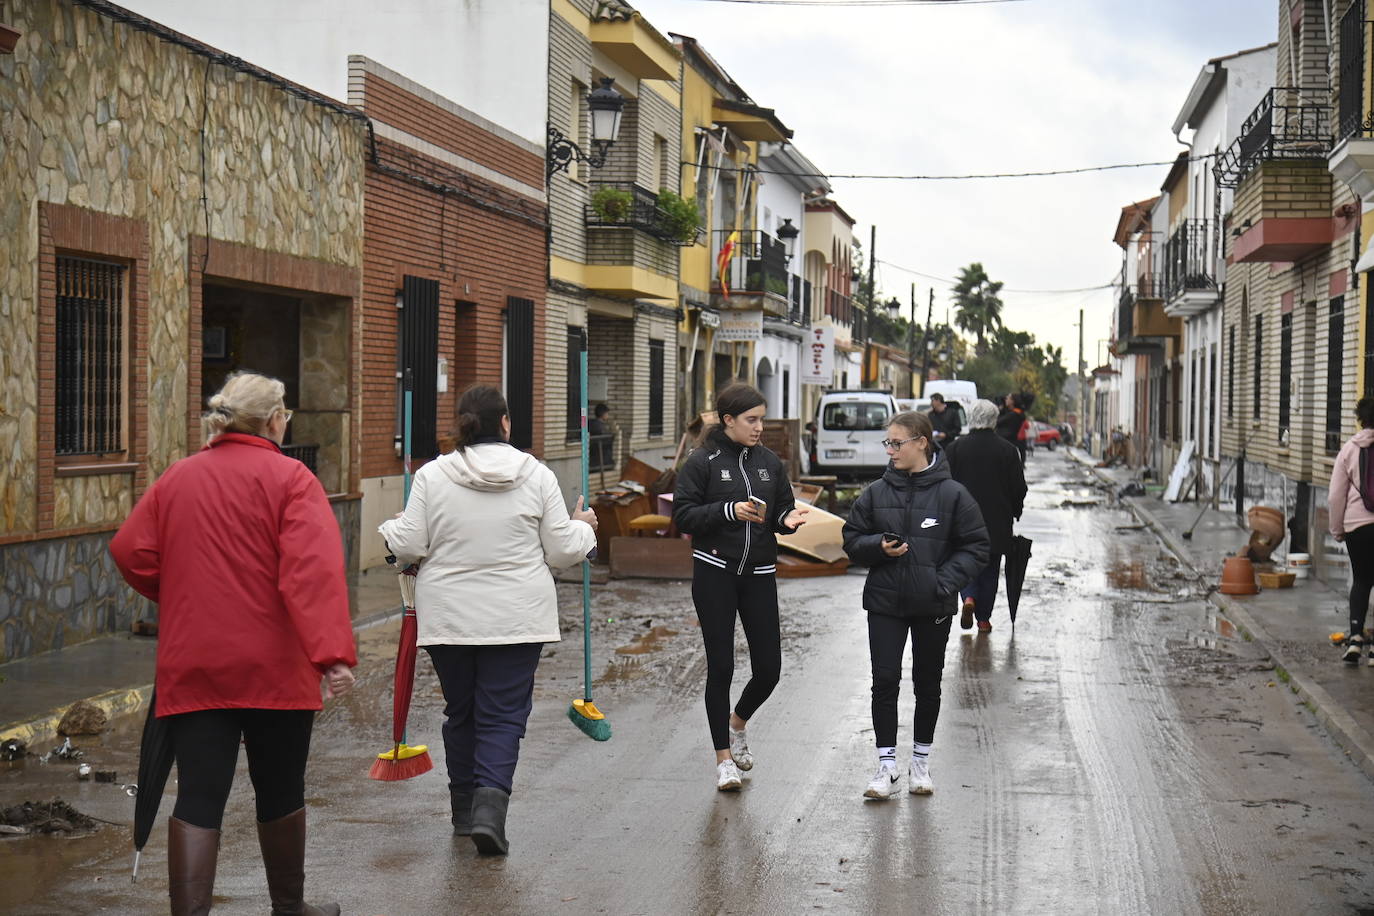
1190, 259
839, 306
1288, 123
757, 269
641, 211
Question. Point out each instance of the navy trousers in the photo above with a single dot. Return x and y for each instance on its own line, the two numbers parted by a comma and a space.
983, 588
488, 695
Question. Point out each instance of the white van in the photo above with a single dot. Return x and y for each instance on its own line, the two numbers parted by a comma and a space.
956, 390
850, 429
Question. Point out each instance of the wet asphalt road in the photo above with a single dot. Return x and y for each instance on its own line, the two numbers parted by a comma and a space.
1123, 753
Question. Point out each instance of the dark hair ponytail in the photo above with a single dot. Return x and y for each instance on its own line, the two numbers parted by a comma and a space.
1364, 410
480, 409
735, 399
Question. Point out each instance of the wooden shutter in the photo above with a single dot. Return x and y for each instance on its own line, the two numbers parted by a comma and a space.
520, 370
419, 349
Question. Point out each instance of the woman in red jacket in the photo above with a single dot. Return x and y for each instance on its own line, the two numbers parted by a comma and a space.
239, 548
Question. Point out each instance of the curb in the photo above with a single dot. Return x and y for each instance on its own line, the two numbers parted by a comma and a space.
1348, 734
130, 700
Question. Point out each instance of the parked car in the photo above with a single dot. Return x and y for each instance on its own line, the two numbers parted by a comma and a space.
850, 429
1046, 435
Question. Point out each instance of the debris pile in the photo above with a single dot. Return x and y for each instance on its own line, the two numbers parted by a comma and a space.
54, 816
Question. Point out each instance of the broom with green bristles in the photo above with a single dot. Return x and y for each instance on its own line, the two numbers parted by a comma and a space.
583, 712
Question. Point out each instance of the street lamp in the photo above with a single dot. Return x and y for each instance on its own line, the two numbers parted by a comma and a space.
787, 234
893, 307
606, 107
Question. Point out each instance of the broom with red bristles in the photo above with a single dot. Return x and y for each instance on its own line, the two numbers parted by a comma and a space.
403, 761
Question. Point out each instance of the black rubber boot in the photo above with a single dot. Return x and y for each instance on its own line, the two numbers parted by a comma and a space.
461, 802
489, 821
191, 856
283, 854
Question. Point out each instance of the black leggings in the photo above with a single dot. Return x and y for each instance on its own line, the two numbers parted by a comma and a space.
1359, 543
718, 594
207, 751
886, 643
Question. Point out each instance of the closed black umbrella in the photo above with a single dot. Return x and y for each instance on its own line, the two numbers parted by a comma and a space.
154, 764
1018, 558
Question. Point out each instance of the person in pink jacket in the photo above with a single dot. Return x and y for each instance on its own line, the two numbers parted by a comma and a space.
240, 550
1353, 523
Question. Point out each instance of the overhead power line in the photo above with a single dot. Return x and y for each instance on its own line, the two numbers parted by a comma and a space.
969, 177
917, 273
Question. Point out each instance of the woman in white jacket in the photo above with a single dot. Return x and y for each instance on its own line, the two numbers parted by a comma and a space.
487, 520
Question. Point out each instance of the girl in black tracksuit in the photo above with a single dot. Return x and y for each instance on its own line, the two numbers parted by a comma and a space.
913, 585
734, 549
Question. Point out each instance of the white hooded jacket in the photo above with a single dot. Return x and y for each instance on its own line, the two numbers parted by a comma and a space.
488, 521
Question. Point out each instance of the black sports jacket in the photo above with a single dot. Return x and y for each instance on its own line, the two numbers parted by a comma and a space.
715, 477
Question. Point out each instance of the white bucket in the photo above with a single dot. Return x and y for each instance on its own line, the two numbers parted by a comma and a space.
1300, 564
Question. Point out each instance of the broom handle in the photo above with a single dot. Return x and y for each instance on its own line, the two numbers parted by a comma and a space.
586, 564
407, 403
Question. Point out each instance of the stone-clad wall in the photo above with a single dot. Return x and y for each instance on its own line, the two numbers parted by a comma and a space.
98, 115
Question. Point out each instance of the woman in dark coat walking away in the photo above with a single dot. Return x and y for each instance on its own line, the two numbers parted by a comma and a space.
990, 469
1012, 424
922, 537
238, 546
733, 497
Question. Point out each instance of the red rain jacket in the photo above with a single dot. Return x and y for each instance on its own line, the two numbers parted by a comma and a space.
239, 548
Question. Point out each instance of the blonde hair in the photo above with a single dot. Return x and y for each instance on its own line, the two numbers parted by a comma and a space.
244, 405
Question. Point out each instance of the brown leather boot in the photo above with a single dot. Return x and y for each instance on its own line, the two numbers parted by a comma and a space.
283, 855
191, 856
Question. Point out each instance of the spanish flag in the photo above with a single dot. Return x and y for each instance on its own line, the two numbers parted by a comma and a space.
727, 253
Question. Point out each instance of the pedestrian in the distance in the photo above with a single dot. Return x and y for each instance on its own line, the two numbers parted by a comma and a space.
602, 444
944, 419
486, 522
1012, 424
1352, 522
922, 537
238, 546
989, 468
733, 497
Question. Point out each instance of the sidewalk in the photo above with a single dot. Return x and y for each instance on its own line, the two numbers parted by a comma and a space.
1292, 624
116, 672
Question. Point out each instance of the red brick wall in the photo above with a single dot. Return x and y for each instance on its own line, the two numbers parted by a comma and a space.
481, 242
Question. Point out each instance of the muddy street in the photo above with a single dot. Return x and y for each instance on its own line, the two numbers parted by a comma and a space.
1123, 751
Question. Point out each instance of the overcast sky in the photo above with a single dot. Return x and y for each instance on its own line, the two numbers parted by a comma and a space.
996, 87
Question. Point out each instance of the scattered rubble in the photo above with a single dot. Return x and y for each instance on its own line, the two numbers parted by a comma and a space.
83, 718
49, 817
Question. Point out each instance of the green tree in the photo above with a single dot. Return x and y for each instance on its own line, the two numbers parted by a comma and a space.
979, 309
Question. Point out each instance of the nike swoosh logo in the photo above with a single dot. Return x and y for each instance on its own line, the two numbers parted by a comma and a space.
929, 523
894, 778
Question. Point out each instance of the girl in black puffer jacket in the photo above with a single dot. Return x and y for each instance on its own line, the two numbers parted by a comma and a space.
734, 549
922, 536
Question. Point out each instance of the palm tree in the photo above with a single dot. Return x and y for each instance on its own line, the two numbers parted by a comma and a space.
979, 307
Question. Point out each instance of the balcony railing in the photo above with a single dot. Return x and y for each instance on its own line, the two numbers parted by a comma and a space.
643, 213
1190, 259
1125, 315
839, 306
759, 265
1354, 116
1288, 123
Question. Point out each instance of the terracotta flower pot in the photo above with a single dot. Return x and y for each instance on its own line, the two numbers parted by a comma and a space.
1238, 577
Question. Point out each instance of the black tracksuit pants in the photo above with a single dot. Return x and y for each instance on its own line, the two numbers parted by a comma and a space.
719, 595
1359, 544
886, 645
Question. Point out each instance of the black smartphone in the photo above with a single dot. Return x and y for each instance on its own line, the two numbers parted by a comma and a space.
895, 538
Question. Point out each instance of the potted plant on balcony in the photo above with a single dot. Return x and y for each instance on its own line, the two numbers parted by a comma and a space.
678, 217
612, 204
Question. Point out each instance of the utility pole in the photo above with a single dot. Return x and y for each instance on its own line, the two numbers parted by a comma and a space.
925, 343
1082, 382
911, 343
868, 311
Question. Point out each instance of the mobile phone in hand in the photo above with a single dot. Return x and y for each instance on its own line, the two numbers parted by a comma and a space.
762, 504
891, 537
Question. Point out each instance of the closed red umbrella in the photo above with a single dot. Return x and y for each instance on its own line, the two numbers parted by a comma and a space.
403, 761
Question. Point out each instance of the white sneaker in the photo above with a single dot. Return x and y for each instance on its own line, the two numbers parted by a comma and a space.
919, 777
727, 776
884, 782
739, 750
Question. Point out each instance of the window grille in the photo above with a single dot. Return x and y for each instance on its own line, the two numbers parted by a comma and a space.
655, 387
574, 405
1256, 368
1335, 375
520, 370
418, 350
1285, 375
90, 357
1231, 373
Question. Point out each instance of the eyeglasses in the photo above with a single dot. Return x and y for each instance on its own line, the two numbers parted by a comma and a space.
288, 413
893, 444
